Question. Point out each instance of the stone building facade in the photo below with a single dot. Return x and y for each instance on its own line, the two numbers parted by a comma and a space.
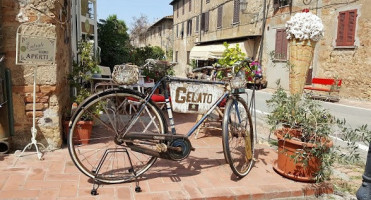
159, 34
332, 57
203, 25
52, 90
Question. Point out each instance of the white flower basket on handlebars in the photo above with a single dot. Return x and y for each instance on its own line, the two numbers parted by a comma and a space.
125, 74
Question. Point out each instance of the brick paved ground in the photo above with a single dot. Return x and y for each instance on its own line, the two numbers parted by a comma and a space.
204, 175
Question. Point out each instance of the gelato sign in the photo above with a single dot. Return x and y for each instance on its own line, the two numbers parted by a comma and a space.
36, 50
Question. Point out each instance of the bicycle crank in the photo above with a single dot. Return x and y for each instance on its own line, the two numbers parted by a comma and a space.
178, 148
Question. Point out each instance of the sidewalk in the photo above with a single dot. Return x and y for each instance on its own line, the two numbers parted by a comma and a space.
204, 175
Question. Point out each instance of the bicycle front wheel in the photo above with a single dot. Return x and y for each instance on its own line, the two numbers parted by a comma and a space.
99, 154
238, 140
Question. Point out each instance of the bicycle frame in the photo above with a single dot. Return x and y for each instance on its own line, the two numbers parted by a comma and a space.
164, 82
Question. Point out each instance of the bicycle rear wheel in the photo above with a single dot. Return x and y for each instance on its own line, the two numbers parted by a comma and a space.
238, 140
101, 156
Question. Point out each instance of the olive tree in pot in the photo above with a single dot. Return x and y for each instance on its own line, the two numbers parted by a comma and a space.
80, 79
302, 128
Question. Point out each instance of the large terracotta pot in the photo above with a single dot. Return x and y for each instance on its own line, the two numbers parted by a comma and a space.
287, 167
301, 54
82, 133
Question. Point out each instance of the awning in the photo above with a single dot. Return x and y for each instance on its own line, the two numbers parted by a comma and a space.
215, 51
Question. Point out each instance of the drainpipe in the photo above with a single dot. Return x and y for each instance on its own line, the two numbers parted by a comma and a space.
10, 101
263, 31
4, 145
364, 192
199, 21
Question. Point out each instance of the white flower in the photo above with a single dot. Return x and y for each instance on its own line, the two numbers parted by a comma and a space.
304, 26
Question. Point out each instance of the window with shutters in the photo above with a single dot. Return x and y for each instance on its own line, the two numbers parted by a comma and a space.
183, 7
197, 23
281, 3
236, 12
182, 31
177, 10
220, 17
189, 27
205, 21
188, 55
346, 28
281, 45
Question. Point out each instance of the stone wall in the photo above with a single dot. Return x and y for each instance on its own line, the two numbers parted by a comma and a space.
349, 64
52, 91
352, 65
249, 27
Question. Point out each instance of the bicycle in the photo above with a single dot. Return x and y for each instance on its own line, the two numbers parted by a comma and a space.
130, 132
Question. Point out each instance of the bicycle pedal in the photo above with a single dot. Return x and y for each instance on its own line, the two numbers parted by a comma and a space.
161, 147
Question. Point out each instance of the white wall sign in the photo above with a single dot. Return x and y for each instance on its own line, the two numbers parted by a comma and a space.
36, 44
193, 97
36, 50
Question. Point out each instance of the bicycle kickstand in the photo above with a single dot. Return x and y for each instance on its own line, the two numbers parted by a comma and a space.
137, 187
94, 191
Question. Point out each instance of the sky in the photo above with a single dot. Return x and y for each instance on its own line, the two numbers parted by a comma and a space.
127, 9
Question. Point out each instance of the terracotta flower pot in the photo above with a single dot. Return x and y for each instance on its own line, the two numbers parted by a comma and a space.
82, 133
287, 167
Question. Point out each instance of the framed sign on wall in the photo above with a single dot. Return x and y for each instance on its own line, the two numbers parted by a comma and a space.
36, 44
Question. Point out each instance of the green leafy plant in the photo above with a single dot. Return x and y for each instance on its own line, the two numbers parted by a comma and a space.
233, 56
229, 58
80, 77
157, 69
315, 125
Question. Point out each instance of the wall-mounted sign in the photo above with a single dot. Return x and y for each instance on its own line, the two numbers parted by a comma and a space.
36, 44
36, 50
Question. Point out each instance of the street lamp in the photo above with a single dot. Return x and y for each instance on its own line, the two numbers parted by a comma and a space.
243, 5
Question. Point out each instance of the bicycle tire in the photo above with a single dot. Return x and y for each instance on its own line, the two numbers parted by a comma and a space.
239, 133
112, 110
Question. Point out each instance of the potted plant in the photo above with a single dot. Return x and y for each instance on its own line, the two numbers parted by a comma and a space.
303, 31
232, 56
80, 79
302, 128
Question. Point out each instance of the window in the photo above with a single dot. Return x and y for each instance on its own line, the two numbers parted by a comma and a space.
182, 30
188, 54
220, 17
207, 1
236, 12
190, 5
183, 7
176, 56
205, 21
197, 23
177, 9
281, 3
346, 28
281, 45
177, 31
189, 27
